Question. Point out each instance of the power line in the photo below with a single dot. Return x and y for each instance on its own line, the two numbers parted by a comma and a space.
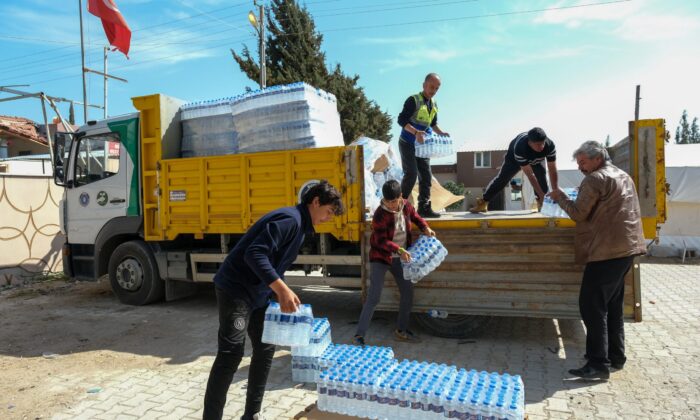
603, 3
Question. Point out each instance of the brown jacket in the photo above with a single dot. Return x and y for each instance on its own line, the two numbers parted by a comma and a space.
607, 215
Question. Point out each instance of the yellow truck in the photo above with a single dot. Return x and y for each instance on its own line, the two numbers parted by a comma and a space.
157, 223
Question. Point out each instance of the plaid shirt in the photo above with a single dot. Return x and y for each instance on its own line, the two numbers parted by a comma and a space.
383, 226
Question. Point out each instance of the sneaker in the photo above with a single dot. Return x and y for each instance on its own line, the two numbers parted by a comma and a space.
358, 340
407, 336
591, 372
256, 416
481, 206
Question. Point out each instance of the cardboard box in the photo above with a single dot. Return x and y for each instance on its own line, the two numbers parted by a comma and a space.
313, 413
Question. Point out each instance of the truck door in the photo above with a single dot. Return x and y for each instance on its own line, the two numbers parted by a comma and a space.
99, 187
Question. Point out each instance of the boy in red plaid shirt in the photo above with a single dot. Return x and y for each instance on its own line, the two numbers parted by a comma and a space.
391, 234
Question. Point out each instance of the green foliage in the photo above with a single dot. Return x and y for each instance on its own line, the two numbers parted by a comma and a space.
293, 54
456, 189
687, 133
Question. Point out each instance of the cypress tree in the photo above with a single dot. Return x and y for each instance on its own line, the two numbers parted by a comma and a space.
293, 54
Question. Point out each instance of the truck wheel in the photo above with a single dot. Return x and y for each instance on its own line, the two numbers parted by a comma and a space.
133, 274
454, 326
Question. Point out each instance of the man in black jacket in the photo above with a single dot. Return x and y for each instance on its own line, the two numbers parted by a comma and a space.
526, 152
252, 271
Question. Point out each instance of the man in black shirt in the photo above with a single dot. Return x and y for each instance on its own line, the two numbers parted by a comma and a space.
527, 152
250, 274
419, 116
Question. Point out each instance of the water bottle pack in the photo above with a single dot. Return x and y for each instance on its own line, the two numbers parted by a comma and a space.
427, 253
305, 359
412, 389
283, 117
338, 354
285, 329
434, 146
552, 209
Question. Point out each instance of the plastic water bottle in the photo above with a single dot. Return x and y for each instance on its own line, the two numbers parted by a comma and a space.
437, 313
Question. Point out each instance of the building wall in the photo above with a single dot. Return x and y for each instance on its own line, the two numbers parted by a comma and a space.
470, 176
30, 236
18, 144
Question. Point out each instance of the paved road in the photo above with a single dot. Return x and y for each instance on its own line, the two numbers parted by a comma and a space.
660, 379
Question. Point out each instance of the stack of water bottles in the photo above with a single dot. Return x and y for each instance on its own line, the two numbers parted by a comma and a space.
427, 253
293, 116
552, 209
410, 389
340, 354
434, 146
287, 329
305, 359
207, 129
282, 117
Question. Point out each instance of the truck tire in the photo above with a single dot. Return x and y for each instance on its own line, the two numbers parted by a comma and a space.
454, 326
133, 274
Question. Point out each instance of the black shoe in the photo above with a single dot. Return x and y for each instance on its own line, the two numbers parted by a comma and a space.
425, 210
590, 372
617, 365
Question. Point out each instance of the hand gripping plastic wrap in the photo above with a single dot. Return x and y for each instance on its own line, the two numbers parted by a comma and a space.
552, 209
427, 253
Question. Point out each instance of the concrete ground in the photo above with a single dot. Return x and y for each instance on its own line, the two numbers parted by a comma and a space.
120, 362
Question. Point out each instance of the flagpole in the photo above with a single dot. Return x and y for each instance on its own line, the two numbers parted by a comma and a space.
82, 58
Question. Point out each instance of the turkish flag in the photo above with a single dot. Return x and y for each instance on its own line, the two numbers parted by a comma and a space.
116, 29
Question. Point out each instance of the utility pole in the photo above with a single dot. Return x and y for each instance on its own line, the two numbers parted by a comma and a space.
85, 70
105, 82
259, 25
637, 98
263, 70
82, 59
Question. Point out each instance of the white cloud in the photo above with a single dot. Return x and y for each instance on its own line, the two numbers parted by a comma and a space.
406, 40
633, 20
521, 58
582, 13
657, 27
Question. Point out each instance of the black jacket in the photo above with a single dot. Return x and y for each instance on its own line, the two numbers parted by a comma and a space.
263, 254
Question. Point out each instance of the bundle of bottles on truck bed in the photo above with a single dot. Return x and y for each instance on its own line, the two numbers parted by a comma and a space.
283, 117
367, 381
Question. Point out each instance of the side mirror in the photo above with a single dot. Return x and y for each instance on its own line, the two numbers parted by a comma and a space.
61, 150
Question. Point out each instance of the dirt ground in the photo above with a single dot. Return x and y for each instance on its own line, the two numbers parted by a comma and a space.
55, 334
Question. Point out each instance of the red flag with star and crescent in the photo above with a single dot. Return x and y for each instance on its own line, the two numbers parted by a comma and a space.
116, 28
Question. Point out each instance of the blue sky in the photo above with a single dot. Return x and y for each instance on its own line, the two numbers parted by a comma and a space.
569, 66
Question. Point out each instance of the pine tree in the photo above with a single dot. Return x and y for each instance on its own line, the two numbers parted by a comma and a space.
694, 131
607, 141
683, 130
293, 49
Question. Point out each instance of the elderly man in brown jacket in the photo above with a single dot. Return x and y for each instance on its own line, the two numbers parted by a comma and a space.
608, 237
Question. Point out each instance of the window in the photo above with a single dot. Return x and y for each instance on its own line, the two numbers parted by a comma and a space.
482, 159
97, 158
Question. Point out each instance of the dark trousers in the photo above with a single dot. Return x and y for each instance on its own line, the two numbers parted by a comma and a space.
601, 303
508, 170
376, 284
414, 167
235, 318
